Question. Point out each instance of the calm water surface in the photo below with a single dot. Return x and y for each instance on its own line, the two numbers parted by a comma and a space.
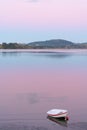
33, 83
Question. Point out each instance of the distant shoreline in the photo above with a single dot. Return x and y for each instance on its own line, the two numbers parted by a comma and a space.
45, 50
48, 44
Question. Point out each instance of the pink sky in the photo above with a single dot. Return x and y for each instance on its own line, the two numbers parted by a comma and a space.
51, 14
60, 13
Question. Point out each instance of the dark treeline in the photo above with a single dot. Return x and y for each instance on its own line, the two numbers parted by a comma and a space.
59, 43
13, 46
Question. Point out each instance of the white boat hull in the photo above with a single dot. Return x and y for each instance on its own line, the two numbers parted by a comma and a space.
57, 113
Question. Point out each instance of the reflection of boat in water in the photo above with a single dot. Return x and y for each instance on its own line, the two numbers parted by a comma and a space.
58, 113
61, 121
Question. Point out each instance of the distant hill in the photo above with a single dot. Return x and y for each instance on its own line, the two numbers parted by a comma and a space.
55, 43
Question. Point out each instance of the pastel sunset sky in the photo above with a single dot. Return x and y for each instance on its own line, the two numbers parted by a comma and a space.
35, 20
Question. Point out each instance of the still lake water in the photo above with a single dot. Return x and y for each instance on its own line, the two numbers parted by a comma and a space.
33, 83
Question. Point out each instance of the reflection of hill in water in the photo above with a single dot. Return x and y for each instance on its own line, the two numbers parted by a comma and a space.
59, 55
14, 53
56, 55
44, 54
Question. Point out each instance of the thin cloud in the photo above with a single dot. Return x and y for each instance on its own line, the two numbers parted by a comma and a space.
31, 1
41, 1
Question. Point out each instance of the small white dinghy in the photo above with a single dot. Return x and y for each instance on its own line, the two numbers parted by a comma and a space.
58, 113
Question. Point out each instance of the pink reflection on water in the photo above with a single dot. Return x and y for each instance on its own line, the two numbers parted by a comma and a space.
43, 81
45, 89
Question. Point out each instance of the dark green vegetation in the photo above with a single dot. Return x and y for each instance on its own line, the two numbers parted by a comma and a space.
56, 43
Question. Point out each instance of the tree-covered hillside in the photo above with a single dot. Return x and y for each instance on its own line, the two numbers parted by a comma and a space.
55, 43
